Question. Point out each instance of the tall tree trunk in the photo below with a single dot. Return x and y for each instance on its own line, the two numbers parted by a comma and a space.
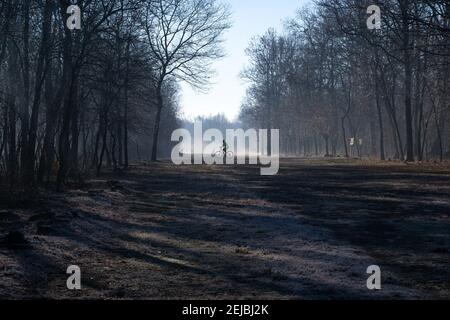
344, 137
24, 113
125, 121
380, 120
75, 109
39, 80
104, 142
12, 158
68, 82
327, 150
53, 103
404, 5
316, 147
119, 144
13, 89
159, 106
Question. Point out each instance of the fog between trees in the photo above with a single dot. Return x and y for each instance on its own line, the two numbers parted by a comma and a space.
326, 78
75, 101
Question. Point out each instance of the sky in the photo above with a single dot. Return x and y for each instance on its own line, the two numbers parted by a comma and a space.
249, 18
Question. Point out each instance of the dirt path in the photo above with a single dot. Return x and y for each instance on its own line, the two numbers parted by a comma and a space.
185, 232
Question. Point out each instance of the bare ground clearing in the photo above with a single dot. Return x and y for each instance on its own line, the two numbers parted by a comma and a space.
225, 232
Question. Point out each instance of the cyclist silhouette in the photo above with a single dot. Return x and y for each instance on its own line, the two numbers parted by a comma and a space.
224, 147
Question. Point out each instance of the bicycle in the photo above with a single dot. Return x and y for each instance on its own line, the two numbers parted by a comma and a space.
221, 154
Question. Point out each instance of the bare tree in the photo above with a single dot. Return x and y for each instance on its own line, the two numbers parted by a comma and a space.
390, 83
184, 37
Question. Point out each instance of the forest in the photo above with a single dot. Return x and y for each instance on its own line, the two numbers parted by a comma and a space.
76, 100
329, 78
355, 94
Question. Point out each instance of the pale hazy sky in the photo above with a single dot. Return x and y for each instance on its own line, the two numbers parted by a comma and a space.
249, 18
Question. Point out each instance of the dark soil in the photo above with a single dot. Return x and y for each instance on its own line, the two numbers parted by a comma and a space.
224, 232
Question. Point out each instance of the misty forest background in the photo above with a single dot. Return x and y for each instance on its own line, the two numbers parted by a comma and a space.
73, 102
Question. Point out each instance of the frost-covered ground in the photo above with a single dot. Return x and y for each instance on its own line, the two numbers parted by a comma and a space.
225, 232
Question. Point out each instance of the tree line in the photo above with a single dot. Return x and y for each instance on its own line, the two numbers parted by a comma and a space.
339, 88
73, 101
